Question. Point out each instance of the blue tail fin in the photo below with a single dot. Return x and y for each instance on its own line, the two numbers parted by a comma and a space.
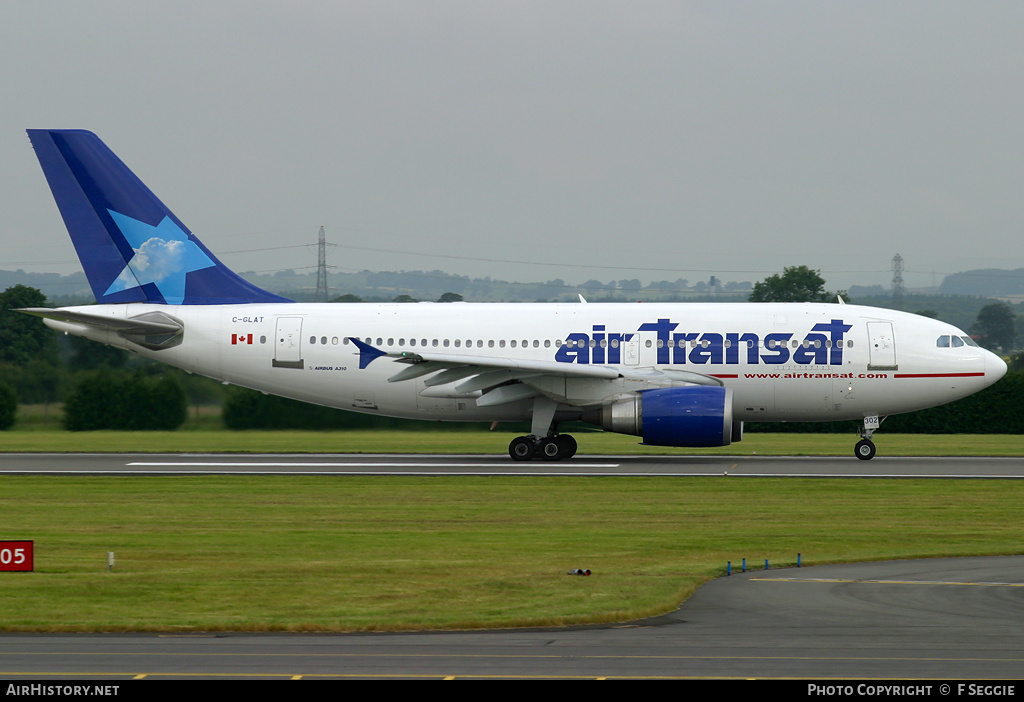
133, 248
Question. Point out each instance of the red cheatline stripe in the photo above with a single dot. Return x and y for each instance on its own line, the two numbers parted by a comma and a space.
938, 375
897, 375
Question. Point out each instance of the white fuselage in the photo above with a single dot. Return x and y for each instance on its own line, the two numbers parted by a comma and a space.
783, 362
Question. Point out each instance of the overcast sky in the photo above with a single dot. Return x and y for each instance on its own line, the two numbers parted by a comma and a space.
538, 140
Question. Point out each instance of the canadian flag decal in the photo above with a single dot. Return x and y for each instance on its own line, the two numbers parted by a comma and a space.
241, 338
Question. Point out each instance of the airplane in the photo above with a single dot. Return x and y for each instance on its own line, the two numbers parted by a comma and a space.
674, 374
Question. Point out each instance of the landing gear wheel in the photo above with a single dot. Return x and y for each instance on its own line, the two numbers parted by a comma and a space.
568, 445
521, 449
552, 449
864, 450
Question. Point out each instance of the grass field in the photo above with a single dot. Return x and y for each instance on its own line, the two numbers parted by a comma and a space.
39, 430
298, 553
364, 553
213, 440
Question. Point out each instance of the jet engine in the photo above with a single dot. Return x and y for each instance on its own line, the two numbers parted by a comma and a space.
681, 416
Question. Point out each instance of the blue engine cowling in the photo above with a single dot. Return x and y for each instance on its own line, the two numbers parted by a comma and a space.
689, 416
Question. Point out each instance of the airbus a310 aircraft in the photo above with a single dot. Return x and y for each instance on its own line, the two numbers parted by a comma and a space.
682, 375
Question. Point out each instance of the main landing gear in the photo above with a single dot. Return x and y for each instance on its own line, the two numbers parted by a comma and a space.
865, 448
544, 441
548, 448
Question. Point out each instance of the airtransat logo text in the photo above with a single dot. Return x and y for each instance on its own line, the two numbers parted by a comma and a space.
822, 346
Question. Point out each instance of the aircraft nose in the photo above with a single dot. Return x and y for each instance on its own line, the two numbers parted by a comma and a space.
995, 367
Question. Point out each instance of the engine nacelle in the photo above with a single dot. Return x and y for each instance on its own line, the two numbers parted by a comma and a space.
689, 416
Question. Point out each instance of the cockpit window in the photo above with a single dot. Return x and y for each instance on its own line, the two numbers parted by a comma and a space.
945, 341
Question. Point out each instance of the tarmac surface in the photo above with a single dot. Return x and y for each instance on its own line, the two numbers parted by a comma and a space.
941, 619
374, 464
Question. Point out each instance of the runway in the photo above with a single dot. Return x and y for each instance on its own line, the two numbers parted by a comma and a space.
368, 464
944, 619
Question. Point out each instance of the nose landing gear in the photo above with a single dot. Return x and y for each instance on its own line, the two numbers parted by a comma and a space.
865, 448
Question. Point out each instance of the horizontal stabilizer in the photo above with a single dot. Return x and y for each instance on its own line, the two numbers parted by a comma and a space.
154, 330
131, 325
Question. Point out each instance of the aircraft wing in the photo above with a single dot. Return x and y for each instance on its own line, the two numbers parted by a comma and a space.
499, 380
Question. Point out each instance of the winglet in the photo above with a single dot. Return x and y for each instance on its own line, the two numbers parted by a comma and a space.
133, 248
367, 353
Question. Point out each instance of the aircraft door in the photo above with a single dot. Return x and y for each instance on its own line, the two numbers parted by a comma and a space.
288, 343
881, 346
641, 349
631, 350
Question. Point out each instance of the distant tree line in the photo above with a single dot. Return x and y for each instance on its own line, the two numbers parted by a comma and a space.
108, 400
